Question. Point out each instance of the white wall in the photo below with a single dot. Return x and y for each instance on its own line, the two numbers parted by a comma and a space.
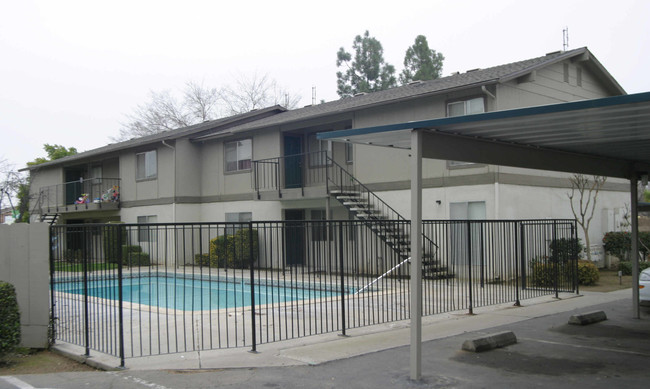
24, 262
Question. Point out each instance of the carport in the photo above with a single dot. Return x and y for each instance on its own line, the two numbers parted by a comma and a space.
608, 137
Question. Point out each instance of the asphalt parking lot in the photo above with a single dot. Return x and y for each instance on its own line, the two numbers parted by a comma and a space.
549, 353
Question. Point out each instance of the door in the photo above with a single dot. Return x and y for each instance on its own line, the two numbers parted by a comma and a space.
294, 236
292, 161
73, 186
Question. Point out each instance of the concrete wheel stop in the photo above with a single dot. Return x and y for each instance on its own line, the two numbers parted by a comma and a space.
582, 319
490, 342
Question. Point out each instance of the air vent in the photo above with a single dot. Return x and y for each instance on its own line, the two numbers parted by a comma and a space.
360, 94
414, 82
472, 70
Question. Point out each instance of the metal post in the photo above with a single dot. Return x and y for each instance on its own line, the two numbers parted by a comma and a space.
519, 241
52, 301
121, 230
343, 324
252, 282
469, 267
416, 255
635, 246
574, 239
555, 258
84, 253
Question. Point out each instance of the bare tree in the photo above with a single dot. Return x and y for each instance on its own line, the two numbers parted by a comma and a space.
10, 182
585, 191
199, 103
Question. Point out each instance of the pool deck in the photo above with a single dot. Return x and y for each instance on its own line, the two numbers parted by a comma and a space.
317, 349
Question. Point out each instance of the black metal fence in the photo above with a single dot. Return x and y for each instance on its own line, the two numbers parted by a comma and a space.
133, 290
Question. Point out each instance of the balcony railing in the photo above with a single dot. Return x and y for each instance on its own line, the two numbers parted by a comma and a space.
296, 171
83, 194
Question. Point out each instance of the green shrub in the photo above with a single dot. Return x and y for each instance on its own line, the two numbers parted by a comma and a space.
9, 319
73, 255
619, 243
587, 273
565, 249
202, 259
626, 267
233, 251
544, 272
111, 241
132, 255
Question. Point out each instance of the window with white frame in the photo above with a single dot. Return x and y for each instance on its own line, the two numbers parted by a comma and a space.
147, 233
460, 108
237, 217
349, 153
466, 107
239, 155
146, 165
318, 151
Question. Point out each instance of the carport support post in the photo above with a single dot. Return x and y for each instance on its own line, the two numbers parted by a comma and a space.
635, 246
416, 254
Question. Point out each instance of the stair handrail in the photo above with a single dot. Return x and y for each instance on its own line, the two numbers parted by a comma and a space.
343, 171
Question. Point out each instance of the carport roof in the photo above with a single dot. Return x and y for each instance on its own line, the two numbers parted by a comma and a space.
608, 136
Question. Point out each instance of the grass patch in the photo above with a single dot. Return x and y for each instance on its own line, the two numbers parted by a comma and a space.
78, 267
608, 282
31, 361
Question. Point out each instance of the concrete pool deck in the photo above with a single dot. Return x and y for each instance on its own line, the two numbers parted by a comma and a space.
318, 349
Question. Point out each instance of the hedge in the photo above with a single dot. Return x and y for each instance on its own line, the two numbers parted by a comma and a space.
619, 243
626, 267
230, 251
9, 319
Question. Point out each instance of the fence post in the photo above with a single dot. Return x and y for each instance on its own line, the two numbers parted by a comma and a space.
343, 324
52, 300
555, 258
574, 239
469, 262
84, 261
520, 253
120, 233
252, 282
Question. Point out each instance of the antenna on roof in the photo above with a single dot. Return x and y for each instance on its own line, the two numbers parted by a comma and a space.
565, 38
313, 95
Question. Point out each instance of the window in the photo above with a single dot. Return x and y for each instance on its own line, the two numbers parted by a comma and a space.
146, 165
349, 153
237, 217
466, 107
579, 76
147, 233
566, 72
460, 108
318, 151
239, 155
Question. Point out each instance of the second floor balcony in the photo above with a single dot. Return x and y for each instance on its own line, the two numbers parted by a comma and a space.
81, 195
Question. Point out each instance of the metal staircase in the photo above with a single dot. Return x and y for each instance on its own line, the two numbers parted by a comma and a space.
390, 226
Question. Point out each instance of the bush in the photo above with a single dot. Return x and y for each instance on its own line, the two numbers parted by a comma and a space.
233, 251
202, 259
73, 255
544, 271
565, 249
111, 241
9, 319
619, 243
132, 255
587, 273
626, 267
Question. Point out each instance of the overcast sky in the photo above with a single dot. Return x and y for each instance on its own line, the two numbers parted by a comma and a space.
71, 70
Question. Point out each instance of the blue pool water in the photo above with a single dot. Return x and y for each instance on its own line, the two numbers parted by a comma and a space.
190, 294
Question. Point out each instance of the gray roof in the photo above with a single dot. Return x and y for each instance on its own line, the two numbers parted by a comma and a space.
277, 115
209, 126
472, 78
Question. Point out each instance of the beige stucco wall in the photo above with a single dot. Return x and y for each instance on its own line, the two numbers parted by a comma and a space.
24, 255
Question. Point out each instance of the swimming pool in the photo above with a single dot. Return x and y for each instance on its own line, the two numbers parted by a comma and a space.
187, 293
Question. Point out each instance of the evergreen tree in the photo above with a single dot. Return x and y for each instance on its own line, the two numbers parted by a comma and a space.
421, 62
367, 71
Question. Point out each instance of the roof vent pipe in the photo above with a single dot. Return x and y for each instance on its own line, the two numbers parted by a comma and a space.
487, 92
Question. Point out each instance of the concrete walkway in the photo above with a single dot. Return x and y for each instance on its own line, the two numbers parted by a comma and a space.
549, 353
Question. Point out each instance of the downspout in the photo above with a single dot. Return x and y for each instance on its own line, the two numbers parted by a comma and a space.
173, 182
487, 92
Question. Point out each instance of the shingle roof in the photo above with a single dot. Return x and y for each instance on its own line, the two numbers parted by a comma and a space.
277, 115
472, 78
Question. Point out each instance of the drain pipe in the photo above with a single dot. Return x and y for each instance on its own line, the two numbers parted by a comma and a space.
487, 92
